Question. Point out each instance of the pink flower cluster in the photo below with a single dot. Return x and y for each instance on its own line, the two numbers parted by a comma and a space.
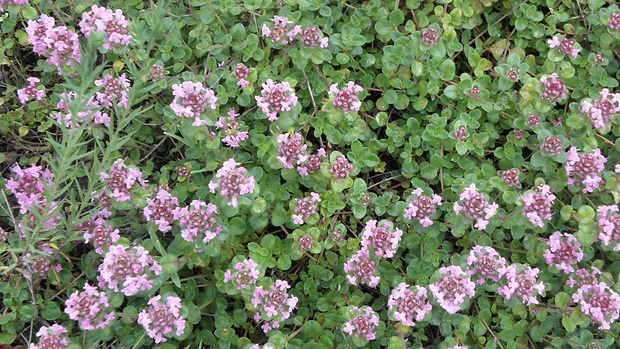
460, 134
88, 111
551, 146
585, 168
51, 337
563, 252
614, 21
452, 288
280, 32
474, 205
162, 209
341, 168
274, 305
29, 188
127, 269
275, 98
430, 37
485, 264
61, 44
112, 23
609, 222
31, 91
192, 100
583, 277
346, 98
409, 304
521, 283
362, 269
112, 89
564, 46
599, 302
156, 73
90, 307
162, 318
291, 149
422, 207
39, 264
241, 73
120, 180
231, 182
602, 111
511, 177
101, 234
363, 323
233, 136
554, 90
312, 163
243, 275
538, 204
305, 208
382, 238
198, 220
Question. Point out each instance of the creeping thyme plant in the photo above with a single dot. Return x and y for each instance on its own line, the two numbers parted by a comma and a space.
310, 174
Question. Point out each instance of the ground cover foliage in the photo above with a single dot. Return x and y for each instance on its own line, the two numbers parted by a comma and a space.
309, 174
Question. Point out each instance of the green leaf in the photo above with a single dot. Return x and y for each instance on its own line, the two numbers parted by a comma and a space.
278, 216
446, 69
568, 324
51, 311
451, 92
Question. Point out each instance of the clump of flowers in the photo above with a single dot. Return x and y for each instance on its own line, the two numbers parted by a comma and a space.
29, 186
306, 208
127, 269
538, 204
88, 111
609, 222
513, 74
346, 98
430, 37
161, 209
603, 110
452, 288
31, 91
583, 277
243, 275
474, 205
341, 168
312, 163
192, 100
198, 220
101, 235
460, 134
551, 146
409, 304
39, 264
3, 236
59, 43
422, 207
120, 180
231, 128
241, 73
312, 37
162, 318
279, 32
599, 302
521, 283
383, 238
511, 177
51, 337
564, 46
275, 98
156, 73
90, 307
291, 149
231, 182
485, 264
111, 89
554, 90
274, 305
112, 23
563, 252
363, 323
361, 269
585, 168
533, 120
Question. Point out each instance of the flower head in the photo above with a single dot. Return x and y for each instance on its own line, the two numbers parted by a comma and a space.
90, 307
243, 275
291, 149
362, 269
127, 269
452, 288
538, 204
585, 168
564, 46
485, 264
474, 205
161, 209
609, 222
422, 207
341, 168
383, 238
274, 305
51, 337
602, 111
231, 182
112, 23
162, 318
192, 100
563, 252
430, 37
113, 89
554, 90
521, 283
241, 73
279, 31
511, 177
599, 302
276, 98
306, 208
120, 180
346, 98
31, 91
363, 323
231, 127
198, 221
409, 304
